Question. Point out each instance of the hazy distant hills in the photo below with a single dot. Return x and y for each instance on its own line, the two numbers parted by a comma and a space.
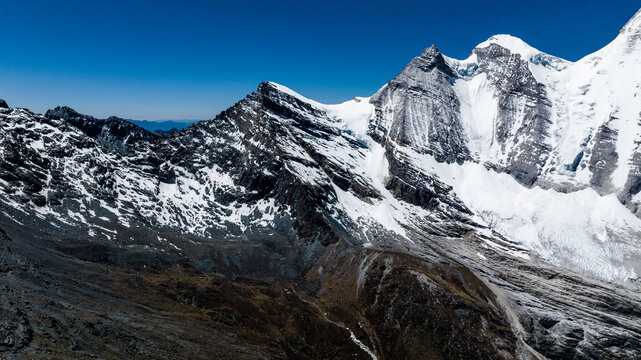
163, 127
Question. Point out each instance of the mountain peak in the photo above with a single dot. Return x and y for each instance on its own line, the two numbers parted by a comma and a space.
432, 58
3, 104
430, 52
268, 87
512, 43
62, 112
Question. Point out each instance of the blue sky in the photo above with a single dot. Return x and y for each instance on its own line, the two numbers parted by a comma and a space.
192, 59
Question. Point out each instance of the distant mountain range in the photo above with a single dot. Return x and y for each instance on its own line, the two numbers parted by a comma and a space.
163, 127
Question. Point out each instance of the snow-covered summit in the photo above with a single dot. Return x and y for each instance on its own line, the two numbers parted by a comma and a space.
514, 44
539, 62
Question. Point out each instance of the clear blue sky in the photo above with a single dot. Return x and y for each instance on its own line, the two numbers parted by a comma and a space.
192, 59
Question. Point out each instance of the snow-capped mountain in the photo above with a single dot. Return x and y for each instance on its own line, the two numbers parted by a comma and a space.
505, 184
550, 124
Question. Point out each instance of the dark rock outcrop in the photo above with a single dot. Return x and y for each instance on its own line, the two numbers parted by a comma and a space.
521, 100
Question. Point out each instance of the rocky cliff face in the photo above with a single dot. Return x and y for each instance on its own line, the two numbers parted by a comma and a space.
477, 208
419, 109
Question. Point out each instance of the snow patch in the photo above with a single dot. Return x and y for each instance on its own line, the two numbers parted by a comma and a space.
582, 230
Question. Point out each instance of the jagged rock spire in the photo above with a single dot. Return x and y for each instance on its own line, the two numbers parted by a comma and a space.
432, 58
